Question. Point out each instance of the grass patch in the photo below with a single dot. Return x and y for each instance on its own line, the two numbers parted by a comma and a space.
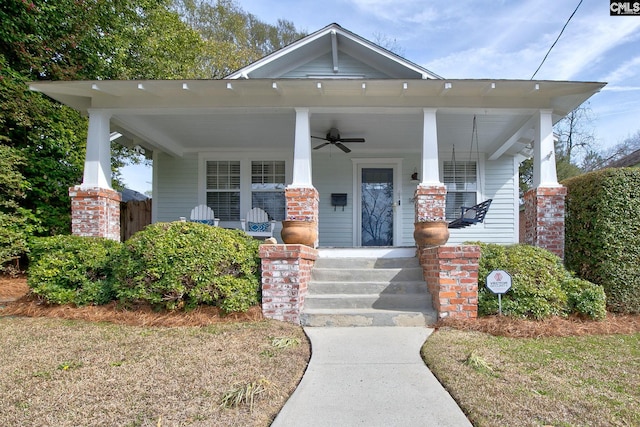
478, 364
282, 343
560, 381
246, 394
77, 373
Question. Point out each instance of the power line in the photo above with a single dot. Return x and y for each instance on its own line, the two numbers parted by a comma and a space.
558, 38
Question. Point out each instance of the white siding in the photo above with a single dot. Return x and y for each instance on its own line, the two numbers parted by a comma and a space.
177, 193
323, 65
411, 164
334, 174
177, 188
500, 226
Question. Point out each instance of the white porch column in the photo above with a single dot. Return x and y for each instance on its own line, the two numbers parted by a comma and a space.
430, 195
97, 164
302, 150
544, 157
430, 165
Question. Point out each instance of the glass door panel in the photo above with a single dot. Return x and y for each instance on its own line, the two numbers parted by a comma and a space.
377, 207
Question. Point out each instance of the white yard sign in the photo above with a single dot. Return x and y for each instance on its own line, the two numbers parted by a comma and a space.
499, 282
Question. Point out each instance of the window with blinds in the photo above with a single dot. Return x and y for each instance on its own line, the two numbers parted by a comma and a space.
461, 180
267, 187
223, 189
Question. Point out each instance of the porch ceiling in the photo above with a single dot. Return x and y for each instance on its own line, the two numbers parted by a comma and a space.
259, 114
384, 131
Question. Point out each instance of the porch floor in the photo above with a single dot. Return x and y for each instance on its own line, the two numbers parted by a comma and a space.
368, 252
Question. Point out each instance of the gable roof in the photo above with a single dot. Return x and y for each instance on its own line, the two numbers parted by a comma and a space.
333, 52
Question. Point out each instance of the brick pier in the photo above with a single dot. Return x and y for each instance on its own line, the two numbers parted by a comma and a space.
544, 212
286, 271
451, 273
95, 212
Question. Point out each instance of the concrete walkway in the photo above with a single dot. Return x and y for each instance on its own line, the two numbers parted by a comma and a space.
371, 376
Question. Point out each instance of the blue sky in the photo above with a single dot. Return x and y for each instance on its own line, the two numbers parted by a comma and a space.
501, 39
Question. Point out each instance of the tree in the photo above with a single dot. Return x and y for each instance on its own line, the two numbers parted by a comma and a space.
76, 39
386, 42
15, 222
609, 157
96, 39
104, 39
575, 135
49, 138
232, 38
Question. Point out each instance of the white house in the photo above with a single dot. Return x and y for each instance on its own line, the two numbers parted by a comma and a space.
338, 130
237, 143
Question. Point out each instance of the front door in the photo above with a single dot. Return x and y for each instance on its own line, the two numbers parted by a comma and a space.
377, 203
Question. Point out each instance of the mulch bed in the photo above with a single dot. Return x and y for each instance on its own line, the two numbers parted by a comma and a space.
16, 301
551, 327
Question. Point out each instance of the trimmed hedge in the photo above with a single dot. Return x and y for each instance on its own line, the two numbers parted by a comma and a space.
541, 286
184, 264
602, 234
72, 269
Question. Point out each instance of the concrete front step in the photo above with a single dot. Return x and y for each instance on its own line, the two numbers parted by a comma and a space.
367, 263
366, 274
348, 288
380, 301
366, 317
361, 291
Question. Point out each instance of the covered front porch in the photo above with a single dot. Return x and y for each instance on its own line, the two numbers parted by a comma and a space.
235, 145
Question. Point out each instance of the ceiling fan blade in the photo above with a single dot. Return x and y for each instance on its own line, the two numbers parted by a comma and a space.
321, 145
351, 140
342, 147
318, 137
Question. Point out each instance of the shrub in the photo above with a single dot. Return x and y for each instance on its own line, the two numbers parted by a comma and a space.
541, 286
585, 298
602, 235
183, 264
72, 269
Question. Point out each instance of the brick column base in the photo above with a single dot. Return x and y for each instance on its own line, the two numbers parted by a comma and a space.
451, 273
429, 202
95, 212
286, 271
544, 212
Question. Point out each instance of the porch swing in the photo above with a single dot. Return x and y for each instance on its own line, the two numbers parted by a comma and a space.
473, 214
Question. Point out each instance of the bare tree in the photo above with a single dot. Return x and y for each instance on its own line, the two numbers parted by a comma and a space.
386, 42
575, 135
615, 155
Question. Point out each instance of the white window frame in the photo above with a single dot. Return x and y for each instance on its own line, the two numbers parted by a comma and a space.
480, 182
245, 159
270, 190
237, 190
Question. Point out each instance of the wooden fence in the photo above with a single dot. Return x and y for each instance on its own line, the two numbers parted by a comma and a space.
134, 216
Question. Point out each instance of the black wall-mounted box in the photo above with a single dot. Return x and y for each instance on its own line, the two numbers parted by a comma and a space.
339, 199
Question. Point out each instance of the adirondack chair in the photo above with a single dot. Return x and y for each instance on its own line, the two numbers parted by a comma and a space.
203, 214
471, 215
257, 223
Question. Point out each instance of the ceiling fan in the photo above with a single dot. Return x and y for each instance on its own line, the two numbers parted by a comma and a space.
333, 138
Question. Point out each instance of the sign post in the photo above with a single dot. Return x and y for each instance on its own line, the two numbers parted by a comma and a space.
499, 282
